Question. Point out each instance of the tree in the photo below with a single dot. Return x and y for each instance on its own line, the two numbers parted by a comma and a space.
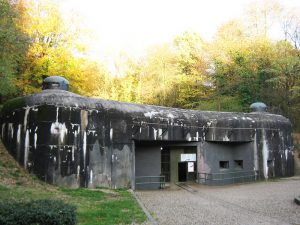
286, 79
243, 64
131, 83
13, 46
262, 15
193, 81
231, 60
172, 74
54, 50
160, 71
290, 21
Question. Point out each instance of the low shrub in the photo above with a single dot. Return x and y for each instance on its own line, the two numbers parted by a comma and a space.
37, 212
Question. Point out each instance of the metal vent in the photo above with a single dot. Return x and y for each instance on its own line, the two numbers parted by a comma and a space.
56, 82
258, 107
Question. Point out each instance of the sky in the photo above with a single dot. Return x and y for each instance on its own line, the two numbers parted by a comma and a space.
133, 26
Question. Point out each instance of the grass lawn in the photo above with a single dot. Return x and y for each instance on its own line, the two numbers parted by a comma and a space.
97, 206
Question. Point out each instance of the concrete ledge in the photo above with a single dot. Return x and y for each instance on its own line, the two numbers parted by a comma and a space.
297, 200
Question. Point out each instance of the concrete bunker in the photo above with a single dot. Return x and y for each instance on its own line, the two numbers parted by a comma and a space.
68, 139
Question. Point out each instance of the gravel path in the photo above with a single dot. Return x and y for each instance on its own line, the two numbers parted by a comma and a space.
256, 203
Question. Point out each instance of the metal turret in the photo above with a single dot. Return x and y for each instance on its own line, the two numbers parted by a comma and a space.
56, 82
258, 107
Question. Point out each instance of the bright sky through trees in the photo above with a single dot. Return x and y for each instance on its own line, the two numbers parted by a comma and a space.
134, 25
207, 55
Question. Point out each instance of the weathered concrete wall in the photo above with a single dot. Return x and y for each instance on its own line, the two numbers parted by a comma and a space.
71, 140
213, 153
216, 152
147, 163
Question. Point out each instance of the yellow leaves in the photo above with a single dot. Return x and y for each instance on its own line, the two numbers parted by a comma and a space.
42, 18
51, 50
170, 74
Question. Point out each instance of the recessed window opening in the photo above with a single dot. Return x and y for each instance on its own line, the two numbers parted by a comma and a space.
224, 164
238, 164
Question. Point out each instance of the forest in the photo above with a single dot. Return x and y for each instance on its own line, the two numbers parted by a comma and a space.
242, 64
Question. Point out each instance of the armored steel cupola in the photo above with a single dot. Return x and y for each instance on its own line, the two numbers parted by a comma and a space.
56, 82
258, 107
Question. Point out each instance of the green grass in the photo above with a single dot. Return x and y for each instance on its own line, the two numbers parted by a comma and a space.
96, 206
93, 206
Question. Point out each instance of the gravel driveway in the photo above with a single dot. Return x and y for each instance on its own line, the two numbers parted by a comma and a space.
255, 203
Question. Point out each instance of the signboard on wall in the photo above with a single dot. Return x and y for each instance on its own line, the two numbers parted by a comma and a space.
188, 157
191, 167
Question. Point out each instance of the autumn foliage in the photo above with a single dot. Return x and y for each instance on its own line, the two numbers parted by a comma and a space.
239, 66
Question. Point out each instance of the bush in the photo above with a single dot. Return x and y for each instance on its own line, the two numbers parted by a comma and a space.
38, 212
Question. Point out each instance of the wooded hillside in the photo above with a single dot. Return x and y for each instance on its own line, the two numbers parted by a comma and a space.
242, 64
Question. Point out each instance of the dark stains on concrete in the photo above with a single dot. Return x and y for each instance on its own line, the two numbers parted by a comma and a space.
72, 140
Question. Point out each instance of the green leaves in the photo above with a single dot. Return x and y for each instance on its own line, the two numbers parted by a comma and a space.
44, 211
239, 66
13, 45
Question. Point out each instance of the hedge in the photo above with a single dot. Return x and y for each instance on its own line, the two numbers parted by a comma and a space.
37, 212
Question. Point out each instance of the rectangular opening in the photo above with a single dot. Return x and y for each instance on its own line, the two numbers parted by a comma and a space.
182, 171
238, 164
224, 164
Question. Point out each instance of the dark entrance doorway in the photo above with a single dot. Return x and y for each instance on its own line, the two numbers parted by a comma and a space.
182, 171
167, 160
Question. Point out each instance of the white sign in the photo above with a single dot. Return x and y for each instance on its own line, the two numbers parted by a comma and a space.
188, 157
190, 167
